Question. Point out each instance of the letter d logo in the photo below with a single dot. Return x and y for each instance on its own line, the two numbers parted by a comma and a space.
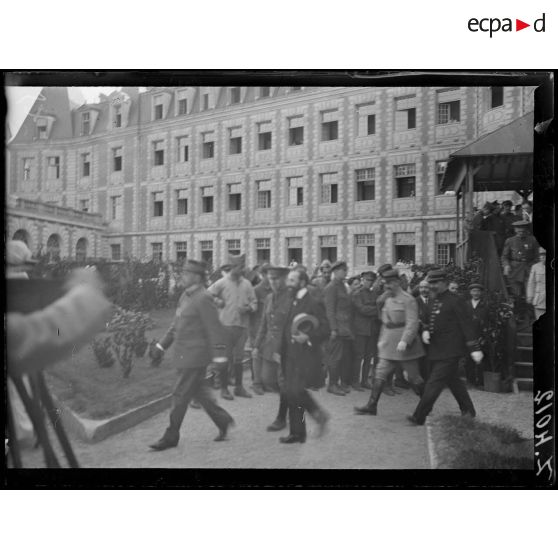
539, 24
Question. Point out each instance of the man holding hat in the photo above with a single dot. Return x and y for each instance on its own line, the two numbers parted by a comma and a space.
267, 344
365, 316
478, 310
199, 339
519, 254
235, 297
340, 345
536, 286
449, 336
399, 343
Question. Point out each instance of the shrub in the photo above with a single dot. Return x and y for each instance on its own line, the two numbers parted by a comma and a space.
103, 352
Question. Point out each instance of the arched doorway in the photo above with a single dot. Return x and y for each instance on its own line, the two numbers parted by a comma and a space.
81, 249
23, 235
53, 248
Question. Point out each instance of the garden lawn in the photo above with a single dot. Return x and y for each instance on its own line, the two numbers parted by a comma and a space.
99, 393
465, 443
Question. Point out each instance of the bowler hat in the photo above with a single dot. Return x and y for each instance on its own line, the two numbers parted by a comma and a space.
368, 275
390, 274
277, 271
476, 286
18, 253
520, 224
338, 265
384, 267
437, 275
305, 323
325, 264
194, 266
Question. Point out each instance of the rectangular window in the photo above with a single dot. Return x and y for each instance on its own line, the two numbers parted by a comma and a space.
42, 130
496, 97
328, 184
264, 136
405, 181
440, 170
27, 165
115, 207
205, 101
85, 164
364, 250
158, 153
264, 194
233, 246
449, 113
235, 197
117, 159
183, 149
182, 106
157, 251
158, 198
365, 184
181, 251
206, 249
294, 250
371, 124
84, 205
235, 140
115, 252
328, 247
329, 129
296, 130
263, 250
296, 190
405, 113
366, 119
445, 247
117, 116
265, 91
85, 124
158, 108
53, 168
234, 95
182, 202
404, 247
208, 145
207, 199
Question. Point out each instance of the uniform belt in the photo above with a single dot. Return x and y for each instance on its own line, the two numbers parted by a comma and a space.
394, 326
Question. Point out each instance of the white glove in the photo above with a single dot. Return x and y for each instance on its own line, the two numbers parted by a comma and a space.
477, 356
401, 346
426, 337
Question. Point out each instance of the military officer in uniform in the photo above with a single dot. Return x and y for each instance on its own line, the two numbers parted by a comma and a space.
269, 338
450, 334
399, 343
519, 254
199, 339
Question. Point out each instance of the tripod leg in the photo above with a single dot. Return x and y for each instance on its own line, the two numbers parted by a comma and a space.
34, 412
13, 444
48, 403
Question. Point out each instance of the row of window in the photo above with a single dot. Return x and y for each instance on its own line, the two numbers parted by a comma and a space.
364, 249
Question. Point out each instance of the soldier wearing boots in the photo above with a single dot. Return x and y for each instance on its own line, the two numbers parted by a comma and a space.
365, 313
399, 343
235, 297
270, 337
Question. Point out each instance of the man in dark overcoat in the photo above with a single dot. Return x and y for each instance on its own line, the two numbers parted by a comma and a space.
478, 309
199, 339
301, 358
449, 336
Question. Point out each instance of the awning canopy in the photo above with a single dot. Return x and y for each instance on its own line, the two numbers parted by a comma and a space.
501, 160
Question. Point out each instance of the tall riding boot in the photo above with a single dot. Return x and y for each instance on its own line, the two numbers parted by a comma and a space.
281, 421
365, 377
371, 408
239, 390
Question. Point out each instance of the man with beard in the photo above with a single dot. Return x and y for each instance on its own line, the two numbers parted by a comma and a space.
399, 344
305, 328
270, 337
450, 333
199, 339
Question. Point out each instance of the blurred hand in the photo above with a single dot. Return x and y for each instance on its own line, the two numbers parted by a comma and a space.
477, 356
301, 338
255, 352
276, 357
333, 335
426, 337
85, 276
401, 346
219, 302
156, 353
506, 270
245, 309
529, 300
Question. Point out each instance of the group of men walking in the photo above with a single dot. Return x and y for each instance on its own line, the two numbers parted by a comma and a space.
308, 333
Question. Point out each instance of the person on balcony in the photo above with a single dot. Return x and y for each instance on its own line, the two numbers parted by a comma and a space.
536, 285
488, 220
508, 218
519, 254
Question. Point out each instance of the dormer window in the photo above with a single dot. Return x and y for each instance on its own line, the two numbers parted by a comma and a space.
118, 116
42, 131
205, 101
265, 91
158, 108
85, 124
235, 95
182, 106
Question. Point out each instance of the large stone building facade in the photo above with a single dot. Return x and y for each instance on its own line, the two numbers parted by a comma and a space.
280, 173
